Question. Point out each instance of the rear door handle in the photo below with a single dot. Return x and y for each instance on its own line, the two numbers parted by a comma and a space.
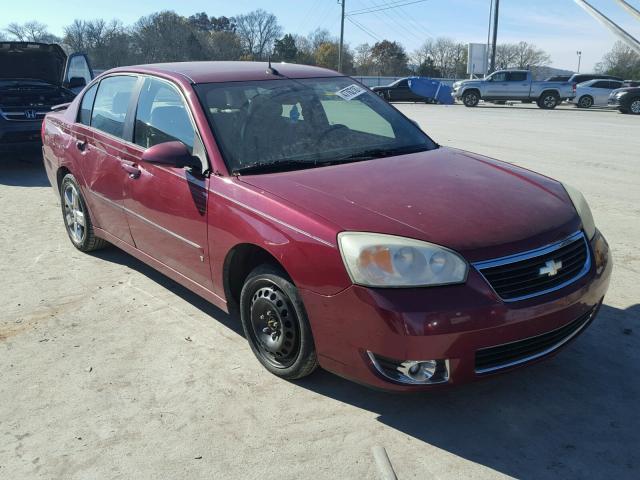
130, 168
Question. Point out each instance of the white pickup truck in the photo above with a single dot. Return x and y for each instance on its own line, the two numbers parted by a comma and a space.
512, 85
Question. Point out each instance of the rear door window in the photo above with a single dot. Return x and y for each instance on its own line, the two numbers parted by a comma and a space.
600, 84
111, 104
84, 116
162, 116
517, 76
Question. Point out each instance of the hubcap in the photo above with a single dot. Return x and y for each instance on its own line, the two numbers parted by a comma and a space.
74, 213
585, 102
549, 101
274, 327
635, 106
471, 99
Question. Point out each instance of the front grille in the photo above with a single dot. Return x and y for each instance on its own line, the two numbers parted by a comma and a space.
540, 271
21, 114
511, 354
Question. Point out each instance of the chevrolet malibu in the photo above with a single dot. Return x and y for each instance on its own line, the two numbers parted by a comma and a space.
338, 231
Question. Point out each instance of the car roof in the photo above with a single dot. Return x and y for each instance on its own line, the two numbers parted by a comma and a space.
208, 71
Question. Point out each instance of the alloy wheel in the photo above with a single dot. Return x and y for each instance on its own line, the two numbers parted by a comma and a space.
635, 106
471, 99
585, 102
549, 101
275, 327
74, 213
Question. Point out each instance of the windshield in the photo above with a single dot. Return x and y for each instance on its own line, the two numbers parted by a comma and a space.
289, 123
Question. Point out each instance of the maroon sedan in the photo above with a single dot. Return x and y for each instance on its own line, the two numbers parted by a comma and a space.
341, 234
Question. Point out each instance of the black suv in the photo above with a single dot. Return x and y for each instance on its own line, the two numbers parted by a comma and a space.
626, 100
33, 78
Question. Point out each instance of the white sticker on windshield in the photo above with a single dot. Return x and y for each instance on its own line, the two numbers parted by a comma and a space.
350, 92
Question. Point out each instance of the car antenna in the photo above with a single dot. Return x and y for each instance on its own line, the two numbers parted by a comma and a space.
272, 70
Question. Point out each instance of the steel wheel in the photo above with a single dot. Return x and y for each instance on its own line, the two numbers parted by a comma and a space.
74, 214
634, 106
275, 331
585, 102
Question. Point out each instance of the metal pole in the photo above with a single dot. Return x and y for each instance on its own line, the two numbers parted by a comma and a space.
495, 35
341, 37
622, 34
486, 53
629, 8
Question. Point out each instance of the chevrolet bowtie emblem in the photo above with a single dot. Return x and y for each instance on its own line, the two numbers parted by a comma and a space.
551, 268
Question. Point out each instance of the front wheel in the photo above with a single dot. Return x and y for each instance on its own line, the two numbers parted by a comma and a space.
634, 106
548, 101
470, 99
275, 324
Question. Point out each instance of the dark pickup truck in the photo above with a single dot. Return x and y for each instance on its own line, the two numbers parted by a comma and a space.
33, 78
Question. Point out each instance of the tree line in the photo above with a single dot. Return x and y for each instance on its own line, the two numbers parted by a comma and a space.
166, 36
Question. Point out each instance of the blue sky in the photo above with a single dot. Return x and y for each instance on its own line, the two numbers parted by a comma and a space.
558, 26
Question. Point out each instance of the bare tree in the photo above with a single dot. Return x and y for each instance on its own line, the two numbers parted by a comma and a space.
621, 61
258, 30
32, 31
107, 43
363, 60
520, 55
444, 55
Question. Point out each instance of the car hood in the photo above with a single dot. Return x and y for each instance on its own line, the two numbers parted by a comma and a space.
27, 60
478, 206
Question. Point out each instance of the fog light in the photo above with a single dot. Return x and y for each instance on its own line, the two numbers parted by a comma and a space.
418, 371
415, 372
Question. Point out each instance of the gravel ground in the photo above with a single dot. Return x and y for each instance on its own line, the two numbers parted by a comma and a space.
110, 370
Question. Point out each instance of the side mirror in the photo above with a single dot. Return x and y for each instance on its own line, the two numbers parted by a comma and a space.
174, 154
77, 82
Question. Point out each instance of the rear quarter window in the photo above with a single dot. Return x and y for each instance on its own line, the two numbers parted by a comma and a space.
84, 115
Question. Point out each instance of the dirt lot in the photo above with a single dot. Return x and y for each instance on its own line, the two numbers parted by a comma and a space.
110, 370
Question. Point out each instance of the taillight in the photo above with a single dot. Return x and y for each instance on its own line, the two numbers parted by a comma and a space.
573, 87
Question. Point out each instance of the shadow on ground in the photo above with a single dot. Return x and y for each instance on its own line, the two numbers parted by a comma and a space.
23, 169
573, 416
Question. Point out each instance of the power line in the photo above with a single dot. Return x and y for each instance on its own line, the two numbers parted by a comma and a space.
408, 23
362, 27
387, 7
401, 29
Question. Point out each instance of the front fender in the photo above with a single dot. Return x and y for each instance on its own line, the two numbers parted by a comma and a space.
305, 246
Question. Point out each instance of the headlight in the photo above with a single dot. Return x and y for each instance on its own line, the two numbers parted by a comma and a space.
378, 260
582, 207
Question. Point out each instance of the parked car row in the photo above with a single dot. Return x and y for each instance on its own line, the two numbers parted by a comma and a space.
584, 90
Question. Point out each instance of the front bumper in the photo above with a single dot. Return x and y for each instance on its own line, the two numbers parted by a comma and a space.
450, 322
614, 102
17, 135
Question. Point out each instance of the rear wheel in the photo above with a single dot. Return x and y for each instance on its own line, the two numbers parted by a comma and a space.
548, 100
470, 98
275, 323
634, 106
76, 217
586, 101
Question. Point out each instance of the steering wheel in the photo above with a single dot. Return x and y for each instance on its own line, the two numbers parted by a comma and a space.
328, 131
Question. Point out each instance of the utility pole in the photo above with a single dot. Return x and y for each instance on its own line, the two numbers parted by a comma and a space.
341, 37
496, 6
579, 53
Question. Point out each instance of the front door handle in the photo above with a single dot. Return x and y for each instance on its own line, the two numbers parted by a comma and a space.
130, 168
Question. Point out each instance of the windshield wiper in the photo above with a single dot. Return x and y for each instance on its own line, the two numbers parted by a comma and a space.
378, 153
273, 166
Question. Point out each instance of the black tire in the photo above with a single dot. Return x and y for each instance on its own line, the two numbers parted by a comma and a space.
548, 100
585, 101
74, 214
634, 106
470, 98
275, 323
